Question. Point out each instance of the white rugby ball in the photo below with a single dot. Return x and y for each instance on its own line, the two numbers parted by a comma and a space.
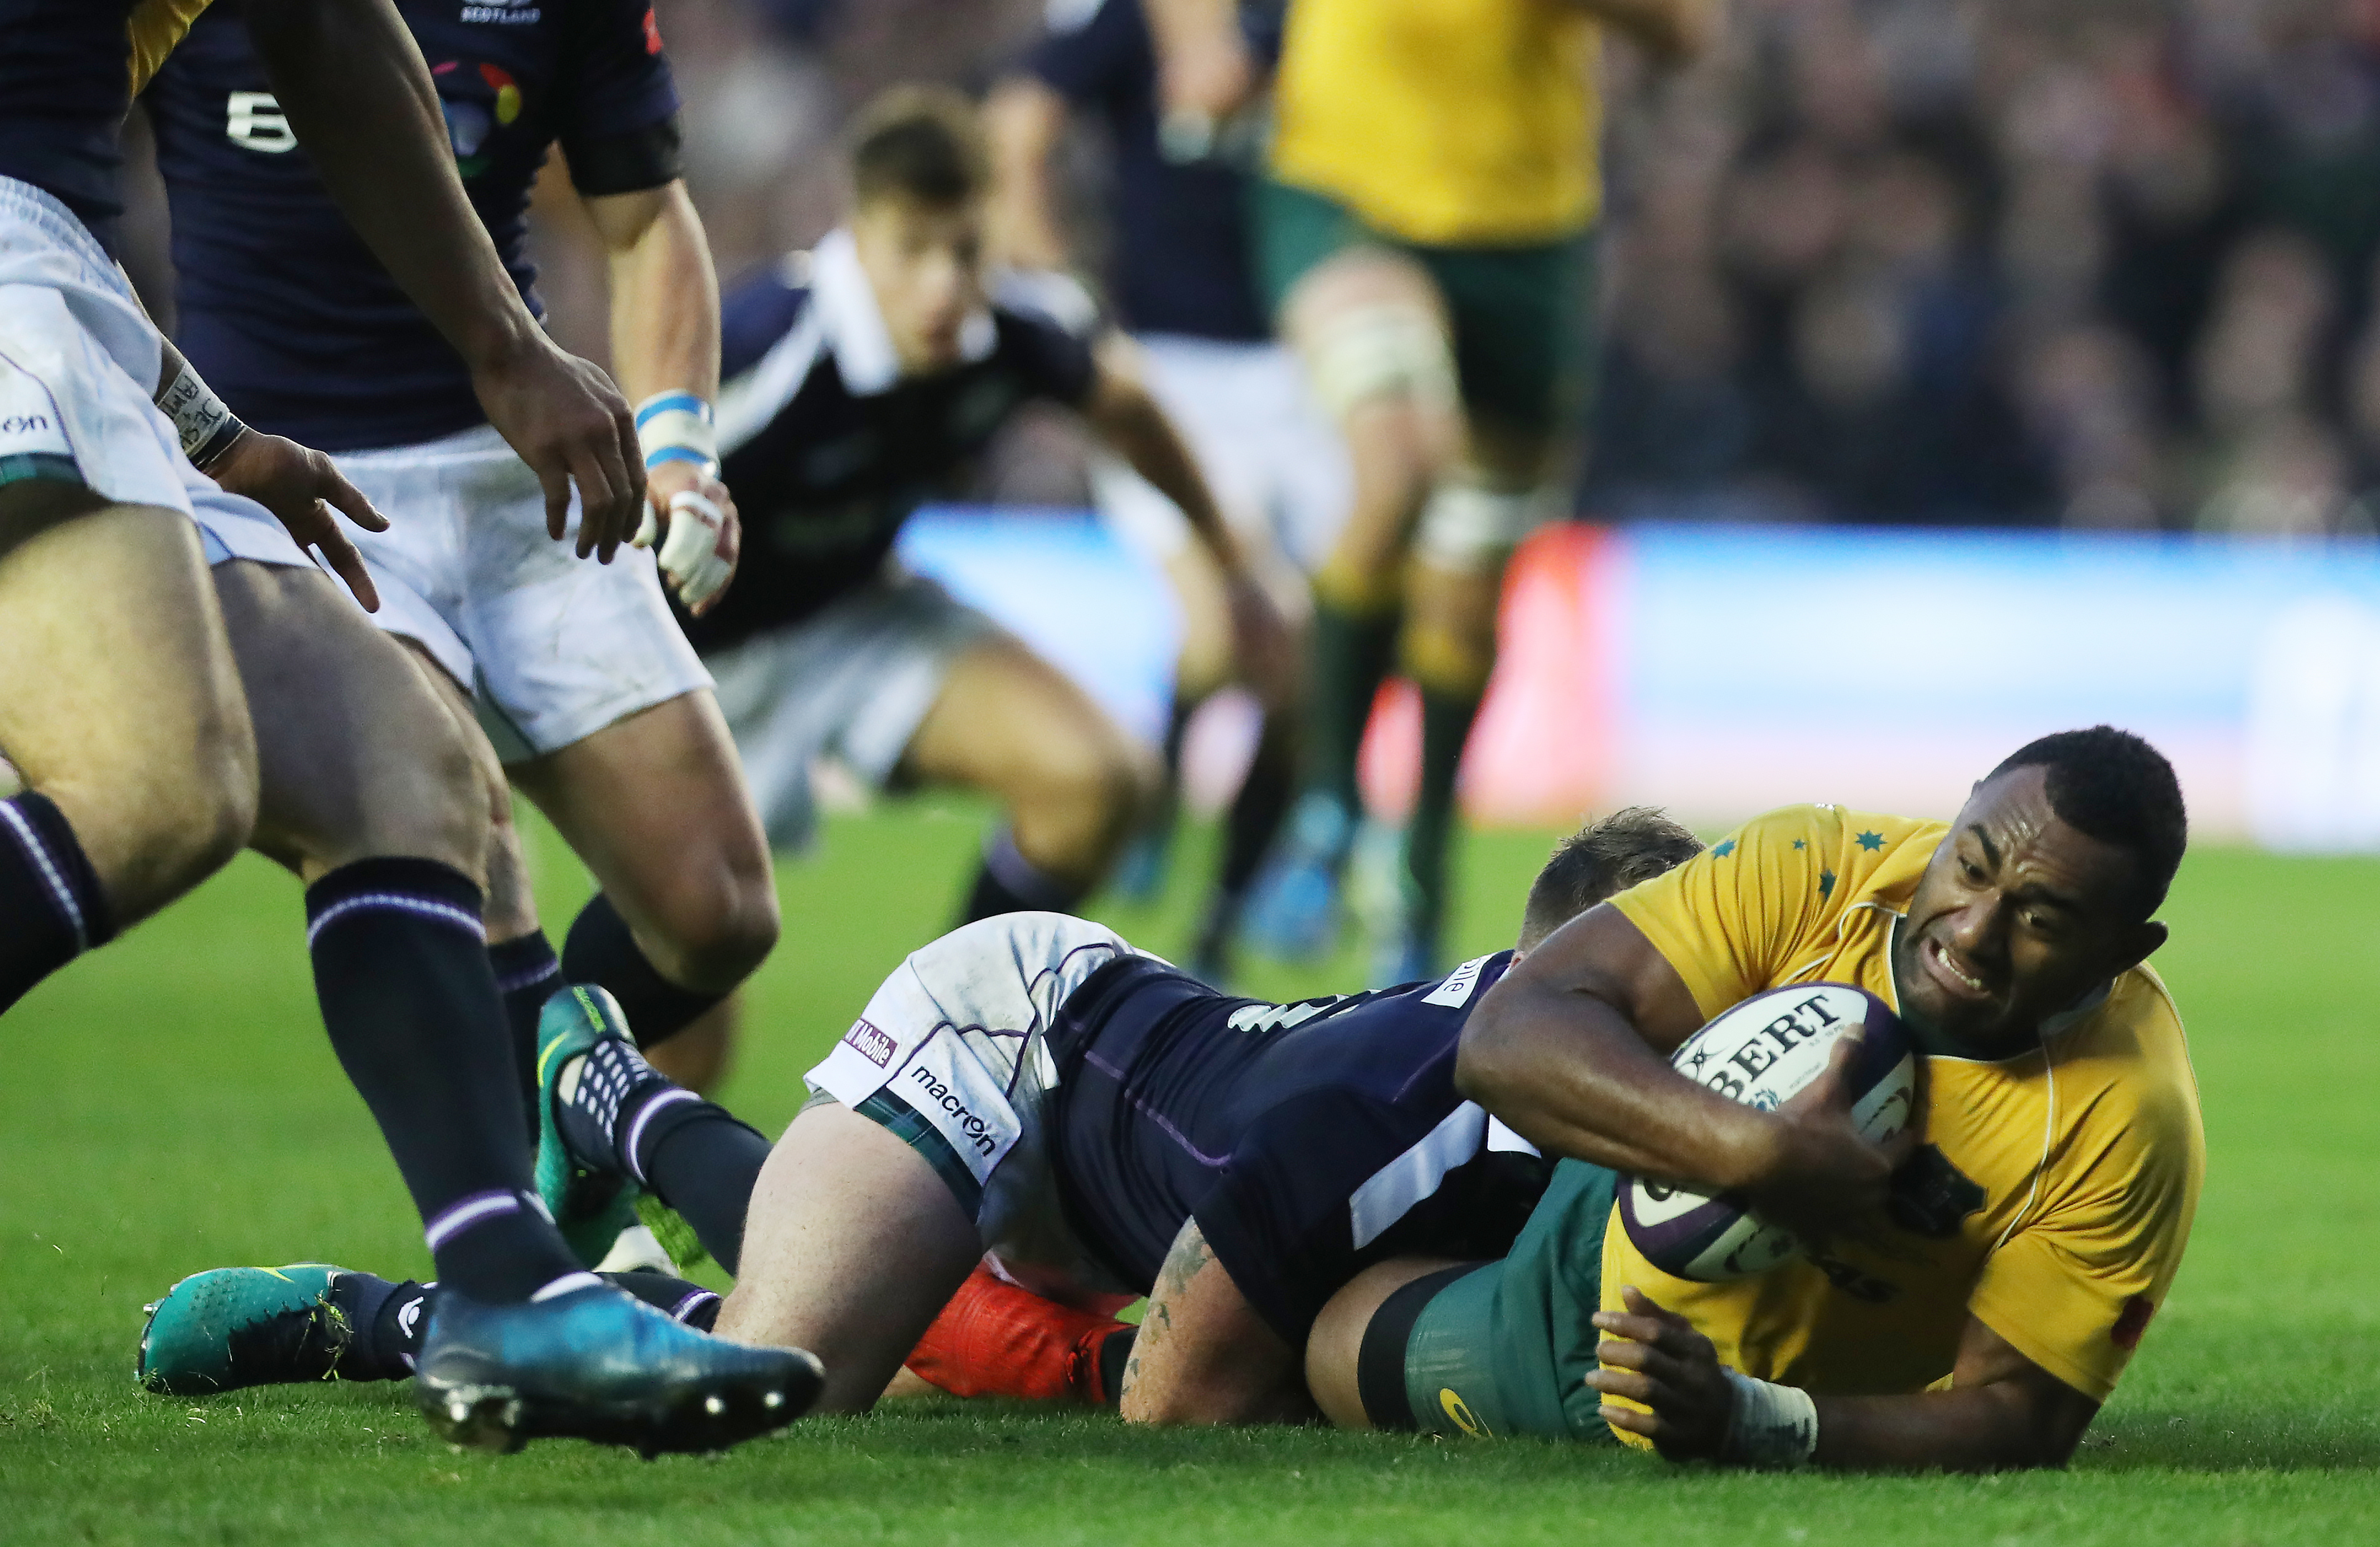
1762, 1053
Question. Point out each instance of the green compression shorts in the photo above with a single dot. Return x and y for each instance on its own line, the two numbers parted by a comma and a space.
1524, 337
1501, 1347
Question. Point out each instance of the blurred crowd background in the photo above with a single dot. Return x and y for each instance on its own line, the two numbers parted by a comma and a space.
2093, 263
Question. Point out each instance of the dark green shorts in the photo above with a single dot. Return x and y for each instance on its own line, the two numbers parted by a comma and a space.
1524, 335
1501, 1347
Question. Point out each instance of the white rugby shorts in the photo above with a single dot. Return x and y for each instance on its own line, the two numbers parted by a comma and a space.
1273, 459
852, 681
554, 646
950, 1054
78, 361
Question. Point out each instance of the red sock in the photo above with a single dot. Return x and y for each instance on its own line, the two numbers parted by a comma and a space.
994, 1339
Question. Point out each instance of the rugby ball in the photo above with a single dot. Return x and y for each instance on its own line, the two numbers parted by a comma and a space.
1762, 1053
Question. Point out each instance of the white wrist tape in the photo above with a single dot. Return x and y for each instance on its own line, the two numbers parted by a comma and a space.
676, 426
1771, 1426
204, 422
690, 553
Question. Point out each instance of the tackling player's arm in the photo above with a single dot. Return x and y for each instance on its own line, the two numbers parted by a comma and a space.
665, 346
1570, 1048
2001, 1410
1204, 1355
303, 488
1120, 410
358, 95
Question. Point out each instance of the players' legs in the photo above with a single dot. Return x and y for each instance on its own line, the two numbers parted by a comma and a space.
1454, 591
853, 1245
1334, 1364
1204, 666
1372, 333
1072, 781
122, 713
655, 804
370, 793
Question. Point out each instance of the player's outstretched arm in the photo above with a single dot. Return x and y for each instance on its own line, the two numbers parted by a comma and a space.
1203, 1354
2002, 1411
302, 487
1130, 420
1570, 1048
665, 346
348, 74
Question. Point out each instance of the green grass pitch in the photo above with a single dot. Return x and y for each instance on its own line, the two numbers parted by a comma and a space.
172, 1105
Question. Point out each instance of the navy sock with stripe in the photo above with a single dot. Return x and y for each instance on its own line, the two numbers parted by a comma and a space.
51, 906
401, 971
526, 976
602, 950
621, 1114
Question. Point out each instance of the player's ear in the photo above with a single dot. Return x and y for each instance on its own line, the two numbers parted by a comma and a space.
2143, 942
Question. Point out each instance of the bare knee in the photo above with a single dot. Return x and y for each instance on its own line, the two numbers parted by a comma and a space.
715, 924
1086, 797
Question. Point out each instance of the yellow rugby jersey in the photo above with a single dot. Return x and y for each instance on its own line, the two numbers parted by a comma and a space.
1444, 122
152, 30
2055, 1189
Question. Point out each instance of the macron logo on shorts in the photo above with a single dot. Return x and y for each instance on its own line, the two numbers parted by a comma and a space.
934, 1093
871, 1043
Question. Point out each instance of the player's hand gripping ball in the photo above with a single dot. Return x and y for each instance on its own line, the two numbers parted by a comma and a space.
1763, 1052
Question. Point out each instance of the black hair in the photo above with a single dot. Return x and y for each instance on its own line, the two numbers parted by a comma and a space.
2110, 784
919, 142
1599, 860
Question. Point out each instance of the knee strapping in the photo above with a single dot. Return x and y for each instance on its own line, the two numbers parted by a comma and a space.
1466, 527
1382, 350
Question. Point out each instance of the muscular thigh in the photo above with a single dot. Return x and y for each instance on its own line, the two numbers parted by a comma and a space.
655, 804
358, 757
117, 696
1008, 722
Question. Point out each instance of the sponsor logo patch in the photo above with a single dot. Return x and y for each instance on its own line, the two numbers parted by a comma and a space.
1456, 991
1451, 1402
871, 1043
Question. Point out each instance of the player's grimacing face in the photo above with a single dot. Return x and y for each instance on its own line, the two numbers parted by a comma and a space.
2017, 917
924, 263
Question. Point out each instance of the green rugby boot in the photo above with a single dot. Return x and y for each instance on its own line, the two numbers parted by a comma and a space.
596, 1363
228, 1328
591, 1201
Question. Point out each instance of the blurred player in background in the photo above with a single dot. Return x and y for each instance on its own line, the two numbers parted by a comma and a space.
1424, 238
598, 707
864, 375
124, 717
1178, 278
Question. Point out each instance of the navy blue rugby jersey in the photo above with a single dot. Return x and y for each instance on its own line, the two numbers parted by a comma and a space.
829, 448
1180, 259
283, 308
66, 77
1310, 1141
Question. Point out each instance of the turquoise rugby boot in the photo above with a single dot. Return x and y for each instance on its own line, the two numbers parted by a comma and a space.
228, 1328
1292, 910
590, 1207
596, 1363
